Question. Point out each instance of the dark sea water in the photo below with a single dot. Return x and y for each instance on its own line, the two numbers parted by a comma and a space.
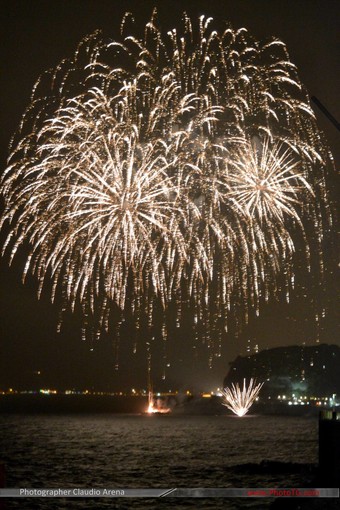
136, 451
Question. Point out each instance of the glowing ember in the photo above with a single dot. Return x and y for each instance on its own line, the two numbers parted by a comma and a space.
240, 401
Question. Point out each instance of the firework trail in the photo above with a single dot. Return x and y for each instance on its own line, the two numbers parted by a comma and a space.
174, 168
240, 401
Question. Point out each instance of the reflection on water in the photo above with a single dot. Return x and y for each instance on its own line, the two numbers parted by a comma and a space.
130, 451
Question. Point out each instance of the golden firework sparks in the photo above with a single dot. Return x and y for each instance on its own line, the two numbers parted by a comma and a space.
174, 168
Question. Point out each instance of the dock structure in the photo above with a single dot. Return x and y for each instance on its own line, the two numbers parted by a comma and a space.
329, 447
2, 475
2, 484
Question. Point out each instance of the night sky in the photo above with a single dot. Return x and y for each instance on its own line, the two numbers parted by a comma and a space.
38, 35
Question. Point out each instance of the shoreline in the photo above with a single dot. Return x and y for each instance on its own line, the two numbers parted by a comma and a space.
78, 404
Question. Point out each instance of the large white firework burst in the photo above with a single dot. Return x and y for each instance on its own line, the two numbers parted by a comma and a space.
175, 167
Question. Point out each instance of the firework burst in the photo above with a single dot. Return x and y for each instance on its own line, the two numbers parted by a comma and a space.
240, 400
264, 182
172, 168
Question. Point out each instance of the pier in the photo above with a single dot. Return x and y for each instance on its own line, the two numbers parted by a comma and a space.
329, 448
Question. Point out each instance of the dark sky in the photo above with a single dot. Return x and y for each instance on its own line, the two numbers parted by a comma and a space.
36, 35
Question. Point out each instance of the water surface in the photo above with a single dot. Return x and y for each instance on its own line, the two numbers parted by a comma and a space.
131, 451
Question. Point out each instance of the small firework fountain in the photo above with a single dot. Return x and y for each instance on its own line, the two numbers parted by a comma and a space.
240, 401
154, 407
